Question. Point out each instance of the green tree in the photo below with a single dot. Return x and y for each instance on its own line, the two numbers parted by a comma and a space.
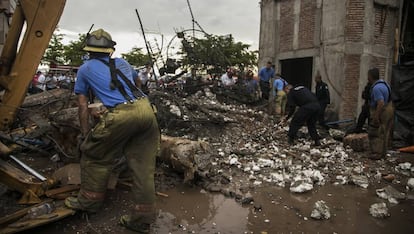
214, 53
55, 50
73, 52
135, 57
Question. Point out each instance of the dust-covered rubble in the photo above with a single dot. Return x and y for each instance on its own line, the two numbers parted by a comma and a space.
379, 210
321, 210
253, 149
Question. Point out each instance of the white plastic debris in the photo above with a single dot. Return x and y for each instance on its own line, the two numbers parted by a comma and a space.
320, 210
379, 210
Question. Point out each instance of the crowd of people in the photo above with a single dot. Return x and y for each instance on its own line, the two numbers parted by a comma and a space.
52, 80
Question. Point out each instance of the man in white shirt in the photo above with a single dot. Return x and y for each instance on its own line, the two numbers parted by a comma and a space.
41, 81
227, 78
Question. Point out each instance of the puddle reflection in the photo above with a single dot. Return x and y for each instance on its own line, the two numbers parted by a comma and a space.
189, 210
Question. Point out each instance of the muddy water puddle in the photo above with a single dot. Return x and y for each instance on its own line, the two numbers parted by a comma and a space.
190, 210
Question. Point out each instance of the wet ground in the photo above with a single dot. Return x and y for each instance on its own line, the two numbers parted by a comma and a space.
274, 210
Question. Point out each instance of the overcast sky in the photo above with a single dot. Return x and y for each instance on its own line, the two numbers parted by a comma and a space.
219, 17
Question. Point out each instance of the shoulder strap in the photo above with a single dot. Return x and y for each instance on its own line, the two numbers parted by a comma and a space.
118, 84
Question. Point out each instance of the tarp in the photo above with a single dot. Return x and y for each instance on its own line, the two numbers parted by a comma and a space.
402, 83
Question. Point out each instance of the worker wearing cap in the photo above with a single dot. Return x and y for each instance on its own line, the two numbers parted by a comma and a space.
127, 128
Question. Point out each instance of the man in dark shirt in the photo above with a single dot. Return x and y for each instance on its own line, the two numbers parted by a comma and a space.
322, 93
307, 113
364, 115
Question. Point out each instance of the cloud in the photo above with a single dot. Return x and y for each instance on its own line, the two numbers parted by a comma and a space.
220, 17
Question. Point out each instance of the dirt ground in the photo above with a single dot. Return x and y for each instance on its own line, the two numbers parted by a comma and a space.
248, 179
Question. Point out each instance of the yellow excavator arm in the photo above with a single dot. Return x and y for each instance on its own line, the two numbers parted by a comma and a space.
19, 62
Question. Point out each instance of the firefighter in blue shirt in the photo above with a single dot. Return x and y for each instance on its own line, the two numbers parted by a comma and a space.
128, 127
381, 115
280, 95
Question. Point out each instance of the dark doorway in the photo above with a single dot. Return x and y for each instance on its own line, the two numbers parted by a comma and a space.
297, 71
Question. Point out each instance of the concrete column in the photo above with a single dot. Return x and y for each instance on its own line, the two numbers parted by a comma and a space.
296, 13
366, 54
277, 36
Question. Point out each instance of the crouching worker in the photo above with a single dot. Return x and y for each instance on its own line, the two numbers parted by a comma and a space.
128, 127
307, 112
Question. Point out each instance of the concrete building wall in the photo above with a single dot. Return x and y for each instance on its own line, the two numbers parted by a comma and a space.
345, 38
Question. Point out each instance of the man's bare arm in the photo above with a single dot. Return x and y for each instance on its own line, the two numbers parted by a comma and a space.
83, 114
378, 111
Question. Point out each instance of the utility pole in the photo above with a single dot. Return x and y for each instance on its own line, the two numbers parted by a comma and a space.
146, 45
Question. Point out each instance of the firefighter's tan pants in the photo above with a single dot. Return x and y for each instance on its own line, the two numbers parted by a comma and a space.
128, 129
380, 136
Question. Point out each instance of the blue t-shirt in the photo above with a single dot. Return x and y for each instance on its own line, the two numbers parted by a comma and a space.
95, 75
265, 74
380, 91
278, 85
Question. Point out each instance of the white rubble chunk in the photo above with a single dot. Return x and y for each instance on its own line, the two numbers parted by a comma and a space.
279, 179
315, 152
359, 169
314, 175
379, 210
410, 183
265, 162
405, 166
233, 161
360, 180
301, 186
391, 194
175, 110
255, 168
342, 179
326, 154
320, 210
257, 182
